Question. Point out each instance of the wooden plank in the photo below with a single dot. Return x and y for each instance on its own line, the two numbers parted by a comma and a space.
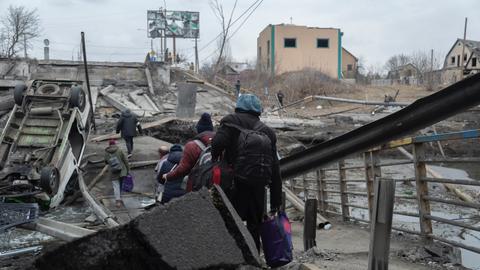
422, 191
343, 190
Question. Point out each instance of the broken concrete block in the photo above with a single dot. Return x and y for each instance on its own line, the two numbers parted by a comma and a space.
236, 227
187, 99
187, 233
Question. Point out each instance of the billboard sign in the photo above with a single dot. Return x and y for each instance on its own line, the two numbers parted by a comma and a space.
179, 24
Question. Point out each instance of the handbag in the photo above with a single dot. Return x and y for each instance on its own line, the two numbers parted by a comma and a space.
276, 235
127, 183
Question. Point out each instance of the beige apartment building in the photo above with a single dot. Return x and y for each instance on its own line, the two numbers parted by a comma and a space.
286, 47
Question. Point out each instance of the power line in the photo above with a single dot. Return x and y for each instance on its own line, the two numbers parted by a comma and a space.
238, 28
219, 34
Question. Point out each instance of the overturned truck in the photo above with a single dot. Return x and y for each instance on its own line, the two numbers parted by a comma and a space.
44, 139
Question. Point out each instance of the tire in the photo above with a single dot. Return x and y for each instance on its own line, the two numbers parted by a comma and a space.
49, 180
77, 97
18, 93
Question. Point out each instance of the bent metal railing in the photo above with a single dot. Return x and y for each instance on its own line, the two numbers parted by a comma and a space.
339, 189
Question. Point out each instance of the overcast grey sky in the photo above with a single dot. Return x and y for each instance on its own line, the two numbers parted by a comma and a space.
373, 29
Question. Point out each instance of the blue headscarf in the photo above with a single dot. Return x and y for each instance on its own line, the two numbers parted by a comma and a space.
249, 103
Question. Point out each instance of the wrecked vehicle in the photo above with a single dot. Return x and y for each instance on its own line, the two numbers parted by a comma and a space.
44, 139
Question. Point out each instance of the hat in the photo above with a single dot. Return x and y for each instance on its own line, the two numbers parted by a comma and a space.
205, 123
112, 142
249, 103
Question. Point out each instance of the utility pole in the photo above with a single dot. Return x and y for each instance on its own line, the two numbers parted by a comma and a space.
174, 56
431, 68
196, 56
463, 48
88, 81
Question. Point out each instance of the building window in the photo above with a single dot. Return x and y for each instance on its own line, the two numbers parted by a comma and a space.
465, 58
349, 67
290, 43
268, 46
453, 60
322, 42
458, 60
474, 62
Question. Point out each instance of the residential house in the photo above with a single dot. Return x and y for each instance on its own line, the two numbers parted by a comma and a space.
349, 65
287, 47
406, 74
452, 68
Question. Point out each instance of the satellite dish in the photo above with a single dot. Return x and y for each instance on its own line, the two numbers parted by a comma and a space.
46, 42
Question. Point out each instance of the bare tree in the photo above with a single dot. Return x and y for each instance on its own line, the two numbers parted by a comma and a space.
397, 61
19, 27
225, 23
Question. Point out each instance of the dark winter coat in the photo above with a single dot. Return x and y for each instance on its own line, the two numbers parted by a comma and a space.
244, 198
114, 150
191, 153
127, 124
173, 187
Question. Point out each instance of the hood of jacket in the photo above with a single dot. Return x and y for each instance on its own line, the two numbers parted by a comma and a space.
111, 149
175, 157
126, 114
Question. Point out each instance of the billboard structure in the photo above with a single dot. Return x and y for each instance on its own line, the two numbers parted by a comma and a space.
178, 24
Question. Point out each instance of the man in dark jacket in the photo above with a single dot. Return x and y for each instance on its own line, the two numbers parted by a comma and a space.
126, 125
172, 187
118, 168
192, 151
248, 200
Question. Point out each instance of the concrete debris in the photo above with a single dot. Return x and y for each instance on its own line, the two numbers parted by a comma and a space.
60, 230
187, 99
188, 233
122, 102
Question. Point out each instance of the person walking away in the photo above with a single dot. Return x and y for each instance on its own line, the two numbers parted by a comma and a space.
172, 187
237, 88
280, 97
255, 162
126, 125
118, 168
193, 149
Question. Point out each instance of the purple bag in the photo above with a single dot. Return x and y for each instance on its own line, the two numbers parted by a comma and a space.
276, 237
127, 183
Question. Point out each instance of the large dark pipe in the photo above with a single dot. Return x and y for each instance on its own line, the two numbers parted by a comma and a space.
420, 114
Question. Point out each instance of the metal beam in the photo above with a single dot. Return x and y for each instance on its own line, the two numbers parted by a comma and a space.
420, 114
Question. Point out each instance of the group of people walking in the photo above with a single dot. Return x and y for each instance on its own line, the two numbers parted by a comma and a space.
242, 142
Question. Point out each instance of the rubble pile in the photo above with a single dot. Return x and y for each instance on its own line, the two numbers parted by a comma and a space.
192, 232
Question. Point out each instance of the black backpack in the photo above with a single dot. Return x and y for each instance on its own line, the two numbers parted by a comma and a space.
254, 160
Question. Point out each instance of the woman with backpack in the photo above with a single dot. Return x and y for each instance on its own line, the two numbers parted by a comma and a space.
118, 168
173, 187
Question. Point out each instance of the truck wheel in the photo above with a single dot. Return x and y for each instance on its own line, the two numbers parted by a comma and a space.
49, 180
77, 97
18, 93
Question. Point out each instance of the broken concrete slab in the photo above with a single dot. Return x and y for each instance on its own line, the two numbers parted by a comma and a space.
187, 233
142, 100
122, 102
186, 100
235, 226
